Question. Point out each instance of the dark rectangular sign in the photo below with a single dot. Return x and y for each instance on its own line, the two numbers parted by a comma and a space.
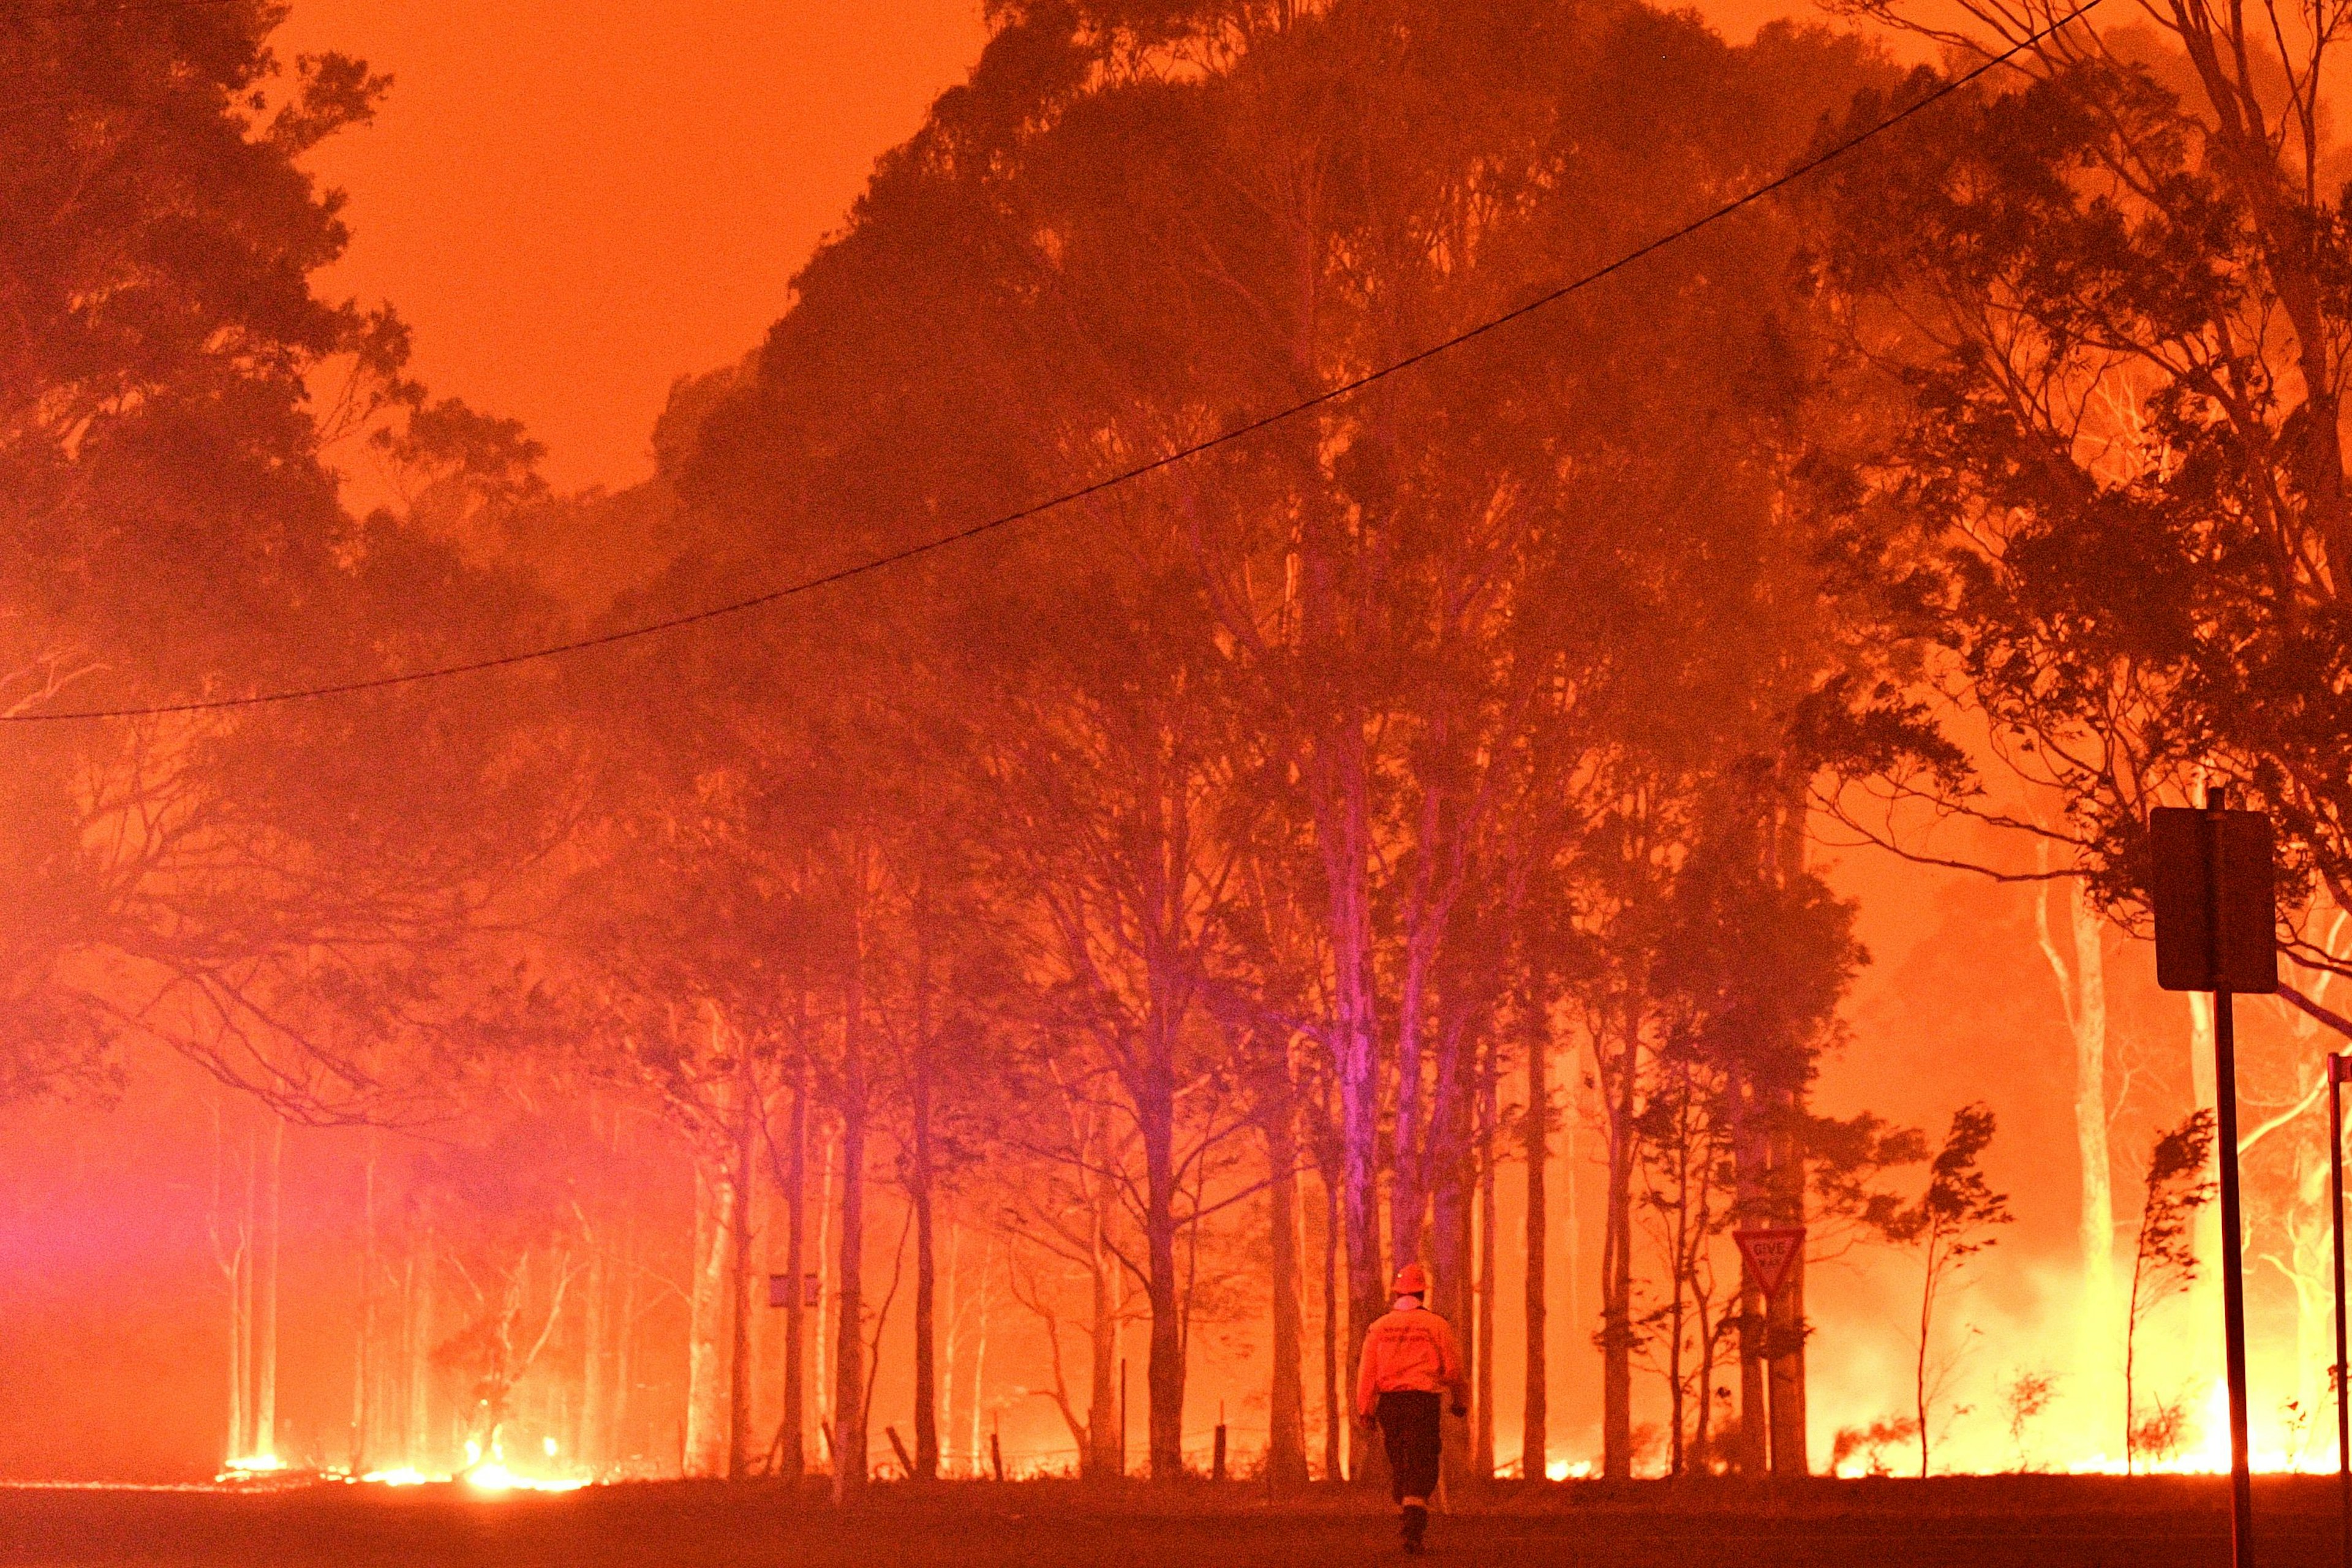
2186, 843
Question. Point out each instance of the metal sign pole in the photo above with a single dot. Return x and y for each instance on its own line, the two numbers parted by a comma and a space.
2214, 887
2233, 1284
2233, 1271
2337, 1065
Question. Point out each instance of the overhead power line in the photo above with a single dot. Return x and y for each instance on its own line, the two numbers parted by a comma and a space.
1225, 438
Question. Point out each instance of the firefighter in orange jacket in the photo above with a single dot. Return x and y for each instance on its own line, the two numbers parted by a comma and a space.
1410, 1365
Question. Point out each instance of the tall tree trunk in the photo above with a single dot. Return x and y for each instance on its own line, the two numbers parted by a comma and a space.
792, 1460
1286, 1444
1920, 1356
1618, 1074
1452, 1159
1791, 1455
591, 1444
236, 1268
1785, 1318
1751, 1145
2098, 1219
738, 1266
980, 1358
1164, 1363
828, 1290
952, 1341
1335, 1396
423, 1451
1424, 1143
2080, 978
594, 1439
850, 1473
624, 1341
1344, 838
241, 1309
1702, 1449
363, 1357
1482, 1450
704, 1448
1535, 1421
265, 1399
927, 1397
1106, 1441
1675, 1221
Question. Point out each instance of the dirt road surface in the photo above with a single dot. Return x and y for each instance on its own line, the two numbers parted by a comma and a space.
1999, 1522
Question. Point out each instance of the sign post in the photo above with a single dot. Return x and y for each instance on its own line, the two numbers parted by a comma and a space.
2217, 930
1770, 1253
779, 1290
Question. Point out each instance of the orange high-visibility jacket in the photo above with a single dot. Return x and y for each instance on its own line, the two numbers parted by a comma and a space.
1410, 1350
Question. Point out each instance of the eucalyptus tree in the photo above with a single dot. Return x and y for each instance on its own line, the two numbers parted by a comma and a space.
277, 891
2105, 292
2108, 285
1346, 642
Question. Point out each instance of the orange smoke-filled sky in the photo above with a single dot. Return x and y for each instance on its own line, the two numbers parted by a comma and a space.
574, 202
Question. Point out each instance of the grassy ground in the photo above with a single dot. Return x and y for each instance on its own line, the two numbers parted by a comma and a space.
1997, 1522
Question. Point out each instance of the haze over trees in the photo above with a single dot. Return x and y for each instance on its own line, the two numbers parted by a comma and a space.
1147, 926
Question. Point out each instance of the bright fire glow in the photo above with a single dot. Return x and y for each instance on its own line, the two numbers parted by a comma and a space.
495, 1477
2278, 1447
406, 1475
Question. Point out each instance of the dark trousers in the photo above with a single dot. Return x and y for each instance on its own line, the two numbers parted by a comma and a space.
1410, 1432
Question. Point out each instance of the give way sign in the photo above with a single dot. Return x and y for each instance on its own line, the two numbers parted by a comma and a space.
1770, 1253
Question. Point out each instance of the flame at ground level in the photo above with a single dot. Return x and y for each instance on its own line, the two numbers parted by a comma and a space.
2209, 1454
406, 1475
491, 1475
496, 1478
2206, 1454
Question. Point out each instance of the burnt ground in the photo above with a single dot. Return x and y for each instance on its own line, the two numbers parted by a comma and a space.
2030, 1522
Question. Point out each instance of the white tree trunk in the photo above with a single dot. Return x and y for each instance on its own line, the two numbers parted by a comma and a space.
980, 1462
424, 1450
363, 1359
589, 1444
706, 1369
824, 1292
952, 1313
2080, 973
2312, 1253
236, 1263
265, 1416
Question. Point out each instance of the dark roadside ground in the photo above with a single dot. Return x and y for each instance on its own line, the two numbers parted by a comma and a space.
2010, 1522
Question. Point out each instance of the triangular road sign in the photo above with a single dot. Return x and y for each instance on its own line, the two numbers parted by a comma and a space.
1770, 1253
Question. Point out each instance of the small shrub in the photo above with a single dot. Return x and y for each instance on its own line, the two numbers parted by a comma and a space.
2164, 1432
2025, 1396
1870, 1442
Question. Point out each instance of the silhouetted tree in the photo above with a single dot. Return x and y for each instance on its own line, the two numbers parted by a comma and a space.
2163, 1252
1953, 1220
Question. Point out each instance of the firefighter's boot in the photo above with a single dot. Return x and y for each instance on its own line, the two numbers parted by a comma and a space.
1412, 1523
